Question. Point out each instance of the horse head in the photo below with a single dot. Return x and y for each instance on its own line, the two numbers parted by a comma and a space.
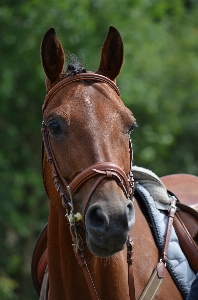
86, 133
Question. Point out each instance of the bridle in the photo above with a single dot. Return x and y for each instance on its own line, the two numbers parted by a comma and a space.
100, 170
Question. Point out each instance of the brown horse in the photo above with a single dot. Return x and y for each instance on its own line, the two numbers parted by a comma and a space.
87, 174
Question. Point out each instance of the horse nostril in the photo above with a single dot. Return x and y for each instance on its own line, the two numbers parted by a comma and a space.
130, 209
130, 214
96, 218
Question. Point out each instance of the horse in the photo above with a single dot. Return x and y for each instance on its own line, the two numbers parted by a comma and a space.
87, 174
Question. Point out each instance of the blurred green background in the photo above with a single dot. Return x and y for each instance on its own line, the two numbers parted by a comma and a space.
159, 83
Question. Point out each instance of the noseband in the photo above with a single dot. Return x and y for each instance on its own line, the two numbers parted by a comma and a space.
101, 170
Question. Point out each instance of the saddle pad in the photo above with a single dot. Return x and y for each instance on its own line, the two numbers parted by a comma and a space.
177, 263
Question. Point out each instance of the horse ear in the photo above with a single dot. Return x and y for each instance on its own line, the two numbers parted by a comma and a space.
112, 55
52, 55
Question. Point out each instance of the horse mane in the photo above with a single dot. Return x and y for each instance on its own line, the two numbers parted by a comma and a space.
73, 67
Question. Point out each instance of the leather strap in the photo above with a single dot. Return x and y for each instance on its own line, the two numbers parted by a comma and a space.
159, 272
101, 170
56, 175
130, 245
104, 170
152, 286
82, 76
171, 214
89, 196
187, 243
83, 264
89, 280
98, 169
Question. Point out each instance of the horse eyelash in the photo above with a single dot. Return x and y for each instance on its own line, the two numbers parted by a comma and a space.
132, 127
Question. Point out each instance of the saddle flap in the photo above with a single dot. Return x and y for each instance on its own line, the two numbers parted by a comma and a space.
186, 228
39, 260
190, 218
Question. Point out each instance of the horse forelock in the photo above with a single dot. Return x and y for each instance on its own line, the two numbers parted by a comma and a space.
73, 67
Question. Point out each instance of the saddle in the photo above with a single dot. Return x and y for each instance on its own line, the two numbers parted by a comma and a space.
185, 225
39, 260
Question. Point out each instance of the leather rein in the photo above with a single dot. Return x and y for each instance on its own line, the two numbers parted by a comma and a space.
100, 170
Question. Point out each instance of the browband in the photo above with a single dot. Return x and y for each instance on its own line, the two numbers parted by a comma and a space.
78, 77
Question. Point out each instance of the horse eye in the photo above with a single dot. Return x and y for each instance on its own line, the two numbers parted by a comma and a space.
54, 127
132, 127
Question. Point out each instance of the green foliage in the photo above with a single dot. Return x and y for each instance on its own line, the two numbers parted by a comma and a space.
7, 286
159, 83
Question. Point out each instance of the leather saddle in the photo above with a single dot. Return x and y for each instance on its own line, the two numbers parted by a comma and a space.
39, 260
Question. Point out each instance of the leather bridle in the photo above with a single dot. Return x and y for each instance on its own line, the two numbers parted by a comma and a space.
100, 170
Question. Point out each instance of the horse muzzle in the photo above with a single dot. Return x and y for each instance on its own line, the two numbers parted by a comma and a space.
108, 226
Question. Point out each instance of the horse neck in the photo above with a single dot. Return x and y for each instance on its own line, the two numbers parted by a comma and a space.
67, 281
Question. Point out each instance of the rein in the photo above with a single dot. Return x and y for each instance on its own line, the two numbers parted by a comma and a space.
100, 170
